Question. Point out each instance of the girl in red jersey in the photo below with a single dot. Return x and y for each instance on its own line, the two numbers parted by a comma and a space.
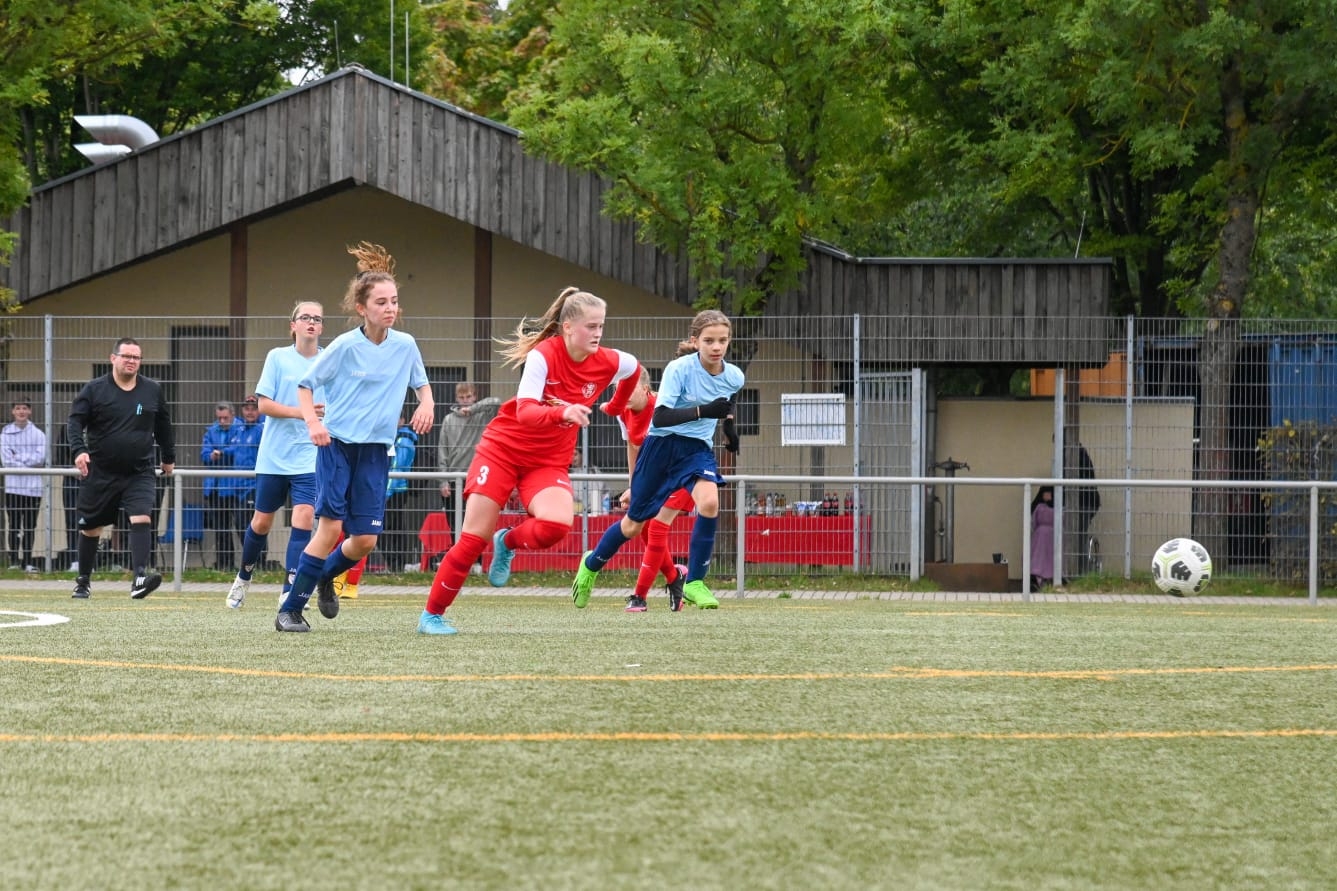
527, 447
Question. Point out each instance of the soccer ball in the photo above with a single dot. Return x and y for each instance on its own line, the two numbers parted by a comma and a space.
1181, 567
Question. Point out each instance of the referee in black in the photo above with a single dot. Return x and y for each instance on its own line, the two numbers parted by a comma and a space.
114, 423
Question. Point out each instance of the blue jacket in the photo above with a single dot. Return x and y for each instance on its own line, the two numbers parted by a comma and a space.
242, 451
406, 449
217, 438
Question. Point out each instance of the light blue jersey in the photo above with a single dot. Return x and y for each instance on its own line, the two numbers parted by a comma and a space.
365, 384
687, 383
285, 447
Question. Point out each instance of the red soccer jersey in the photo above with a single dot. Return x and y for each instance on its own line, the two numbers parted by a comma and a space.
563, 382
636, 424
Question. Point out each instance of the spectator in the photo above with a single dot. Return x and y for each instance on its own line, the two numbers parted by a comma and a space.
243, 450
220, 507
1042, 538
114, 423
398, 529
22, 444
461, 429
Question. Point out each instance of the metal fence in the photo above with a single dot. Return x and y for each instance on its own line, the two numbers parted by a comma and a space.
824, 429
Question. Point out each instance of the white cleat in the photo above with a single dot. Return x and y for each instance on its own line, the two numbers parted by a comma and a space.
237, 596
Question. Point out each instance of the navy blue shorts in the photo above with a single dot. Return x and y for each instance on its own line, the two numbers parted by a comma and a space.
272, 490
351, 478
666, 464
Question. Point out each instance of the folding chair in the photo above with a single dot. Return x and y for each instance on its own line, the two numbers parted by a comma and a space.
193, 523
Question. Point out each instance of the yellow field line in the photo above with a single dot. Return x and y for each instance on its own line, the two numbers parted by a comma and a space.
893, 673
711, 736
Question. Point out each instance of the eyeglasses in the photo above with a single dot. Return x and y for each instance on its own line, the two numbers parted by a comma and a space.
310, 319
129, 357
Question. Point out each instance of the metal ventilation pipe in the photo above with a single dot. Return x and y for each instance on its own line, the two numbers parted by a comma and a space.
98, 153
117, 129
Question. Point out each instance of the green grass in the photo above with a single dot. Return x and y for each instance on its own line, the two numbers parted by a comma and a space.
774, 743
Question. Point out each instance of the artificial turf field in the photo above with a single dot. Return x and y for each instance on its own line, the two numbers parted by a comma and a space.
774, 743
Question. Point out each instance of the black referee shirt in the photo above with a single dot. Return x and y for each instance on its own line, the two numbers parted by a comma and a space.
118, 427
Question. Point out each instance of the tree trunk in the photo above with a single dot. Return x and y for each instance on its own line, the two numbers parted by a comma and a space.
1220, 341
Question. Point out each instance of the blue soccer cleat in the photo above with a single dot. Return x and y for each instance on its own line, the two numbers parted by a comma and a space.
500, 571
430, 623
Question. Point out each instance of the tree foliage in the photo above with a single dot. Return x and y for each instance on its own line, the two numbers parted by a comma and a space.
45, 44
728, 131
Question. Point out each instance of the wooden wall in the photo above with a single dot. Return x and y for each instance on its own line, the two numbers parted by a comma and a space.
354, 128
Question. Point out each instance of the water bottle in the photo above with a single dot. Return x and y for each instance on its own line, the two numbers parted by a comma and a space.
608, 502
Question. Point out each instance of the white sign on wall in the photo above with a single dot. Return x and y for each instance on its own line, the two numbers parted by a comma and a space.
812, 419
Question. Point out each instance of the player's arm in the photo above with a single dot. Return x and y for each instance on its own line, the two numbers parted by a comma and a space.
672, 417
425, 413
306, 404
273, 409
529, 405
627, 378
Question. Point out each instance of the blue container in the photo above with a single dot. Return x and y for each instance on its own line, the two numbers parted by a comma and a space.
1302, 379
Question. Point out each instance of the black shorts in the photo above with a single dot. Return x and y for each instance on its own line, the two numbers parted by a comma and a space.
102, 495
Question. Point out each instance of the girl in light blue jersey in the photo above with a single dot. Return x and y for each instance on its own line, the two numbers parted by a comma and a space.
364, 373
285, 468
698, 390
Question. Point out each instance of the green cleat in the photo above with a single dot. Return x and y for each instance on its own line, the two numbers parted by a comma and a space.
584, 583
697, 594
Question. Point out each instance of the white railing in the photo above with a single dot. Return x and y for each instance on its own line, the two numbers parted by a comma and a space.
743, 484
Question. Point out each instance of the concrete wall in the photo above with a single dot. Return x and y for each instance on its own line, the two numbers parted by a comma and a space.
1013, 438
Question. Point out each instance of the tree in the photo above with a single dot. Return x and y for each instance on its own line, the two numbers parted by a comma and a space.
338, 33
237, 56
45, 41
728, 131
1181, 121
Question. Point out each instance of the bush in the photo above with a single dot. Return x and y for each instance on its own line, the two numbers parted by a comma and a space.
1304, 451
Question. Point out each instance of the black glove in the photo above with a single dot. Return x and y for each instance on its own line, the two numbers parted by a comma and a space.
730, 435
717, 409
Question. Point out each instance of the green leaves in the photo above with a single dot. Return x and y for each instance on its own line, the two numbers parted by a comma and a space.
730, 132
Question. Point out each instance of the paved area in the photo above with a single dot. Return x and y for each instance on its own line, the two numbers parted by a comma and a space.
372, 589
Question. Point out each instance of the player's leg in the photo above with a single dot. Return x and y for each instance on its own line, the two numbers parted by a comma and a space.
546, 494
138, 499
491, 479
705, 493
481, 513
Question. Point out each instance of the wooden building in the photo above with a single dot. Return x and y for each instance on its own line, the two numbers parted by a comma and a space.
500, 210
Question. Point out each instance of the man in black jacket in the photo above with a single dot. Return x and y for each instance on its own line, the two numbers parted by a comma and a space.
114, 424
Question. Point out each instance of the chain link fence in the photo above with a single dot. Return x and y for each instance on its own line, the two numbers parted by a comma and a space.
831, 404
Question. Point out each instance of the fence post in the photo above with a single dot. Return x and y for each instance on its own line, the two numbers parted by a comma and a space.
1313, 545
178, 531
1128, 450
1026, 542
740, 530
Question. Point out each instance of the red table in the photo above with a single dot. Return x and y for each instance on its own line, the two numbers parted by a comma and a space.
788, 539
805, 540
583, 536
